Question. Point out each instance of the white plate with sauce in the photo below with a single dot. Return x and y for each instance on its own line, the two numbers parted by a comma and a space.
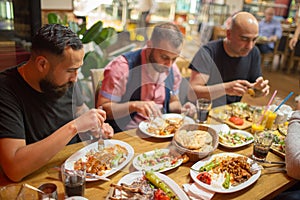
216, 184
144, 125
94, 146
148, 162
235, 138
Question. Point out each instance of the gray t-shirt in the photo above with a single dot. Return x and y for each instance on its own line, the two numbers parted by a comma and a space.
292, 149
211, 59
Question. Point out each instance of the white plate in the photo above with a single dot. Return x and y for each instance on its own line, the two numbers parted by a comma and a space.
76, 198
129, 178
231, 146
217, 187
144, 125
82, 152
160, 167
218, 127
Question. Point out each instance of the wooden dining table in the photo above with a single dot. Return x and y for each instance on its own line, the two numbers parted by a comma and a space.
266, 187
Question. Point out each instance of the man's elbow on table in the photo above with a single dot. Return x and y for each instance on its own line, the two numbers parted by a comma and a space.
12, 172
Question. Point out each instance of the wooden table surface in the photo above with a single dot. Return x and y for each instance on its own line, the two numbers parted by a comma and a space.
266, 187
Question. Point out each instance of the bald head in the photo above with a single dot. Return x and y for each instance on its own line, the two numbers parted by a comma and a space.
269, 14
241, 35
270, 11
244, 20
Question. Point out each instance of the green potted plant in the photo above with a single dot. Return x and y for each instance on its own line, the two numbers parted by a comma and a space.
95, 40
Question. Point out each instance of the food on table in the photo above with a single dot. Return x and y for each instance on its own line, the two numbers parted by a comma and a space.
227, 171
209, 166
251, 92
160, 184
197, 140
161, 158
148, 186
165, 126
237, 114
233, 138
204, 177
240, 109
282, 128
100, 162
226, 183
236, 120
278, 142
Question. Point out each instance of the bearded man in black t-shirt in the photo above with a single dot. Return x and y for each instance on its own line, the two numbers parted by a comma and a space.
41, 109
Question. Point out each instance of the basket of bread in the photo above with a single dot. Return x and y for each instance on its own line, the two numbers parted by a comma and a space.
195, 140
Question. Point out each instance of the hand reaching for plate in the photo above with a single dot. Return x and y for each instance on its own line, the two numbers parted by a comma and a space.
189, 109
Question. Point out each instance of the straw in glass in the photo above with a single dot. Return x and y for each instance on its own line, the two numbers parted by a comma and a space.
284, 100
268, 105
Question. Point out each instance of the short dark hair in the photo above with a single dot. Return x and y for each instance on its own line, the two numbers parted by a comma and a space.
167, 31
54, 38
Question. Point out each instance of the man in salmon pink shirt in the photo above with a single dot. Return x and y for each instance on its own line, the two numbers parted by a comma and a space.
145, 82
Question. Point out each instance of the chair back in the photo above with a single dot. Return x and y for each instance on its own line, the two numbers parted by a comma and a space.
97, 77
294, 56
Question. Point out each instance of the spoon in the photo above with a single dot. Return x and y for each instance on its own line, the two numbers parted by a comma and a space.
30, 187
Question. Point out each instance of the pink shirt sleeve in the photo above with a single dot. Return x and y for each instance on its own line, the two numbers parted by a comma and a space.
115, 79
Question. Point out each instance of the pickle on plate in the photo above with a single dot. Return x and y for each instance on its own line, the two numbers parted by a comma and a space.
160, 184
209, 166
226, 183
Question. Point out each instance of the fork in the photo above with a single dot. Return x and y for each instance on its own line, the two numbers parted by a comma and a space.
101, 145
266, 170
184, 114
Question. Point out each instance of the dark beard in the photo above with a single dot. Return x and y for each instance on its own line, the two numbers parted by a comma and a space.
157, 67
53, 91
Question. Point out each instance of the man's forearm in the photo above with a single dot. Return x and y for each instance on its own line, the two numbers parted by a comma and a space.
209, 92
117, 110
37, 154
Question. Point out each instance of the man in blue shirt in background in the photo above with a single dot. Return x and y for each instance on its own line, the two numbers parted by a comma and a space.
270, 29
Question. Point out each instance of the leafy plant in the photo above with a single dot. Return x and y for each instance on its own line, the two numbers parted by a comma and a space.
96, 38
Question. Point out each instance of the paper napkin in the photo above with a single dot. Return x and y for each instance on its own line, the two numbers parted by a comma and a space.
196, 192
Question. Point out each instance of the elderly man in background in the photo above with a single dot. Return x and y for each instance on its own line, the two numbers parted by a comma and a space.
269, 31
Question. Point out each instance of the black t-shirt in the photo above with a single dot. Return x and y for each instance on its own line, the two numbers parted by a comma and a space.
211, 59
28, 114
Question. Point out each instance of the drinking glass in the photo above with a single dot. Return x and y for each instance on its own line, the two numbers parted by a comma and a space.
271, 116
203, 107
73, 179
258, 120
262, 144
50, 191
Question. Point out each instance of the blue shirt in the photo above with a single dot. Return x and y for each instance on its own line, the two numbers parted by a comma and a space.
269, 29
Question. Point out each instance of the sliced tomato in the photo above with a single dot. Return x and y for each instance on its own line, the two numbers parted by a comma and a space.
174, 160
236, 120
160, 195
204, 177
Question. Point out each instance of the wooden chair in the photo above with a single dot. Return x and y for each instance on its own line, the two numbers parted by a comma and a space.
219, 32
281, 49
97, 77
294, 56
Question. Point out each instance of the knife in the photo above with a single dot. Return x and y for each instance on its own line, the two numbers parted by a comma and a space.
90, 175
273, 162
